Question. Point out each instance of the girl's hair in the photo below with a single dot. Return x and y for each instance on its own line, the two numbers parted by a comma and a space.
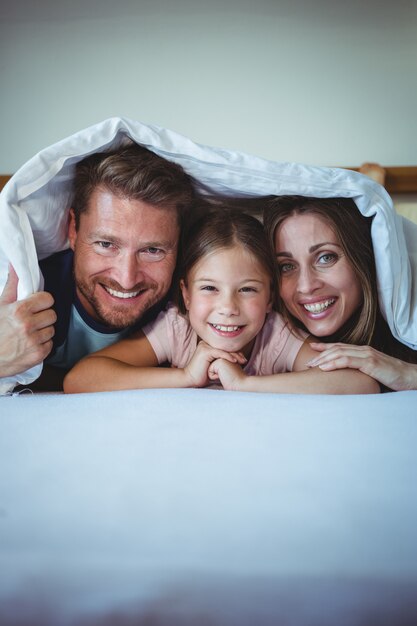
221, 228
353, 230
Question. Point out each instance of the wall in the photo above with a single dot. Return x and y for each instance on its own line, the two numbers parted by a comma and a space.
325, 83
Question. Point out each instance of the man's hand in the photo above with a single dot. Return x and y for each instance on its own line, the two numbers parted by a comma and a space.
26, 328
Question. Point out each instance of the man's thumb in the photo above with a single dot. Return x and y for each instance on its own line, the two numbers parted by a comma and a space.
9, 294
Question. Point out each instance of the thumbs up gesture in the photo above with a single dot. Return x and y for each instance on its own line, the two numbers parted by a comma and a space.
26, 328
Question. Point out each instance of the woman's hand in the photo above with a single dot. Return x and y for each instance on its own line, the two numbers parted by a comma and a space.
391, 372
196, 370
228, 373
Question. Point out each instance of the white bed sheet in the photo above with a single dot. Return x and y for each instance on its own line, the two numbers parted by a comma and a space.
206, 506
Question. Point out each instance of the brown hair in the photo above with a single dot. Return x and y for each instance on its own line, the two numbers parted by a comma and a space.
353, 231
133, 172
222, 228
367, 325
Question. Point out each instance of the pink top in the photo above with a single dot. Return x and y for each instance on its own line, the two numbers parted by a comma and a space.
174, 341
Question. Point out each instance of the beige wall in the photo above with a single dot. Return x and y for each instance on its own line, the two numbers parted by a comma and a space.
321, 82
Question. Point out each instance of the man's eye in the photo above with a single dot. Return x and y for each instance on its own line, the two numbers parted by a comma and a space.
104, 245
152, 253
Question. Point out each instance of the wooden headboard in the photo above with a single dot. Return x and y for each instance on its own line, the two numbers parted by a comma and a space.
398, 179
3, 179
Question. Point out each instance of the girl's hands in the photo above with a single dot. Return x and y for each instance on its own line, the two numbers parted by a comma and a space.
228, 373
196, 371
391, 372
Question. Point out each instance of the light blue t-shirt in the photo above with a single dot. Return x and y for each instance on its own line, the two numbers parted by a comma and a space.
81, 340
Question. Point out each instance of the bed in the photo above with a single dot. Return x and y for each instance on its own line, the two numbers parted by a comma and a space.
204, 506
208, 507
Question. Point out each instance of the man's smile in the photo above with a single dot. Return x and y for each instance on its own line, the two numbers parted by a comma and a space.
123, 294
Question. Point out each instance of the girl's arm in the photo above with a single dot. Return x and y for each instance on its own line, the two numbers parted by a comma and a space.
114, 367
389, 371
300, 380
132, 364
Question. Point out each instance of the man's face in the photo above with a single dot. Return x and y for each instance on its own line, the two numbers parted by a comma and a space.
124, 257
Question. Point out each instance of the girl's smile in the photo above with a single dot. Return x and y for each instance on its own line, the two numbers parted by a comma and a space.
227, 331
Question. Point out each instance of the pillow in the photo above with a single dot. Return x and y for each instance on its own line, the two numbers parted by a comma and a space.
34, 208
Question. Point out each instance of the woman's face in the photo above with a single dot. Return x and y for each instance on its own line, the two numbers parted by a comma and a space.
318, 284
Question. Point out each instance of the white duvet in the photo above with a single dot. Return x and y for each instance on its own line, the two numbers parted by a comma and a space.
35, 202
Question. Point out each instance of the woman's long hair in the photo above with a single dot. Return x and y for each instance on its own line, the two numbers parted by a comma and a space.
353, 230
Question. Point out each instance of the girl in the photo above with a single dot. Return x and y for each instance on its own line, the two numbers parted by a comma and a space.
328, 285
227, 330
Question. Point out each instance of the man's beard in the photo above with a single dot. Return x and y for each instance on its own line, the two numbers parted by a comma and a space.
114, 315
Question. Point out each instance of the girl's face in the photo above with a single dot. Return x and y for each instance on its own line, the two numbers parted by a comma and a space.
227, 296
318, 284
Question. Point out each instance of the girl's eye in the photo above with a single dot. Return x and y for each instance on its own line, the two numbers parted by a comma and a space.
208, 288
248, 290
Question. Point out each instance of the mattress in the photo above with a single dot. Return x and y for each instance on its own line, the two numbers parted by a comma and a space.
208, 507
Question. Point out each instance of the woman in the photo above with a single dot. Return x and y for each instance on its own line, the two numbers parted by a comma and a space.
328, 287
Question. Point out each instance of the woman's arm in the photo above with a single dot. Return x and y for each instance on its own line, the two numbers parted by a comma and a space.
300, 380
132, 364
389, 371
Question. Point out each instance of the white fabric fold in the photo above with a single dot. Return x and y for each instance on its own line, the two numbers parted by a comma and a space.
34, 209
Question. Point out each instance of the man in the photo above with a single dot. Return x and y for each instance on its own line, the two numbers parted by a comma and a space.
124, 227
